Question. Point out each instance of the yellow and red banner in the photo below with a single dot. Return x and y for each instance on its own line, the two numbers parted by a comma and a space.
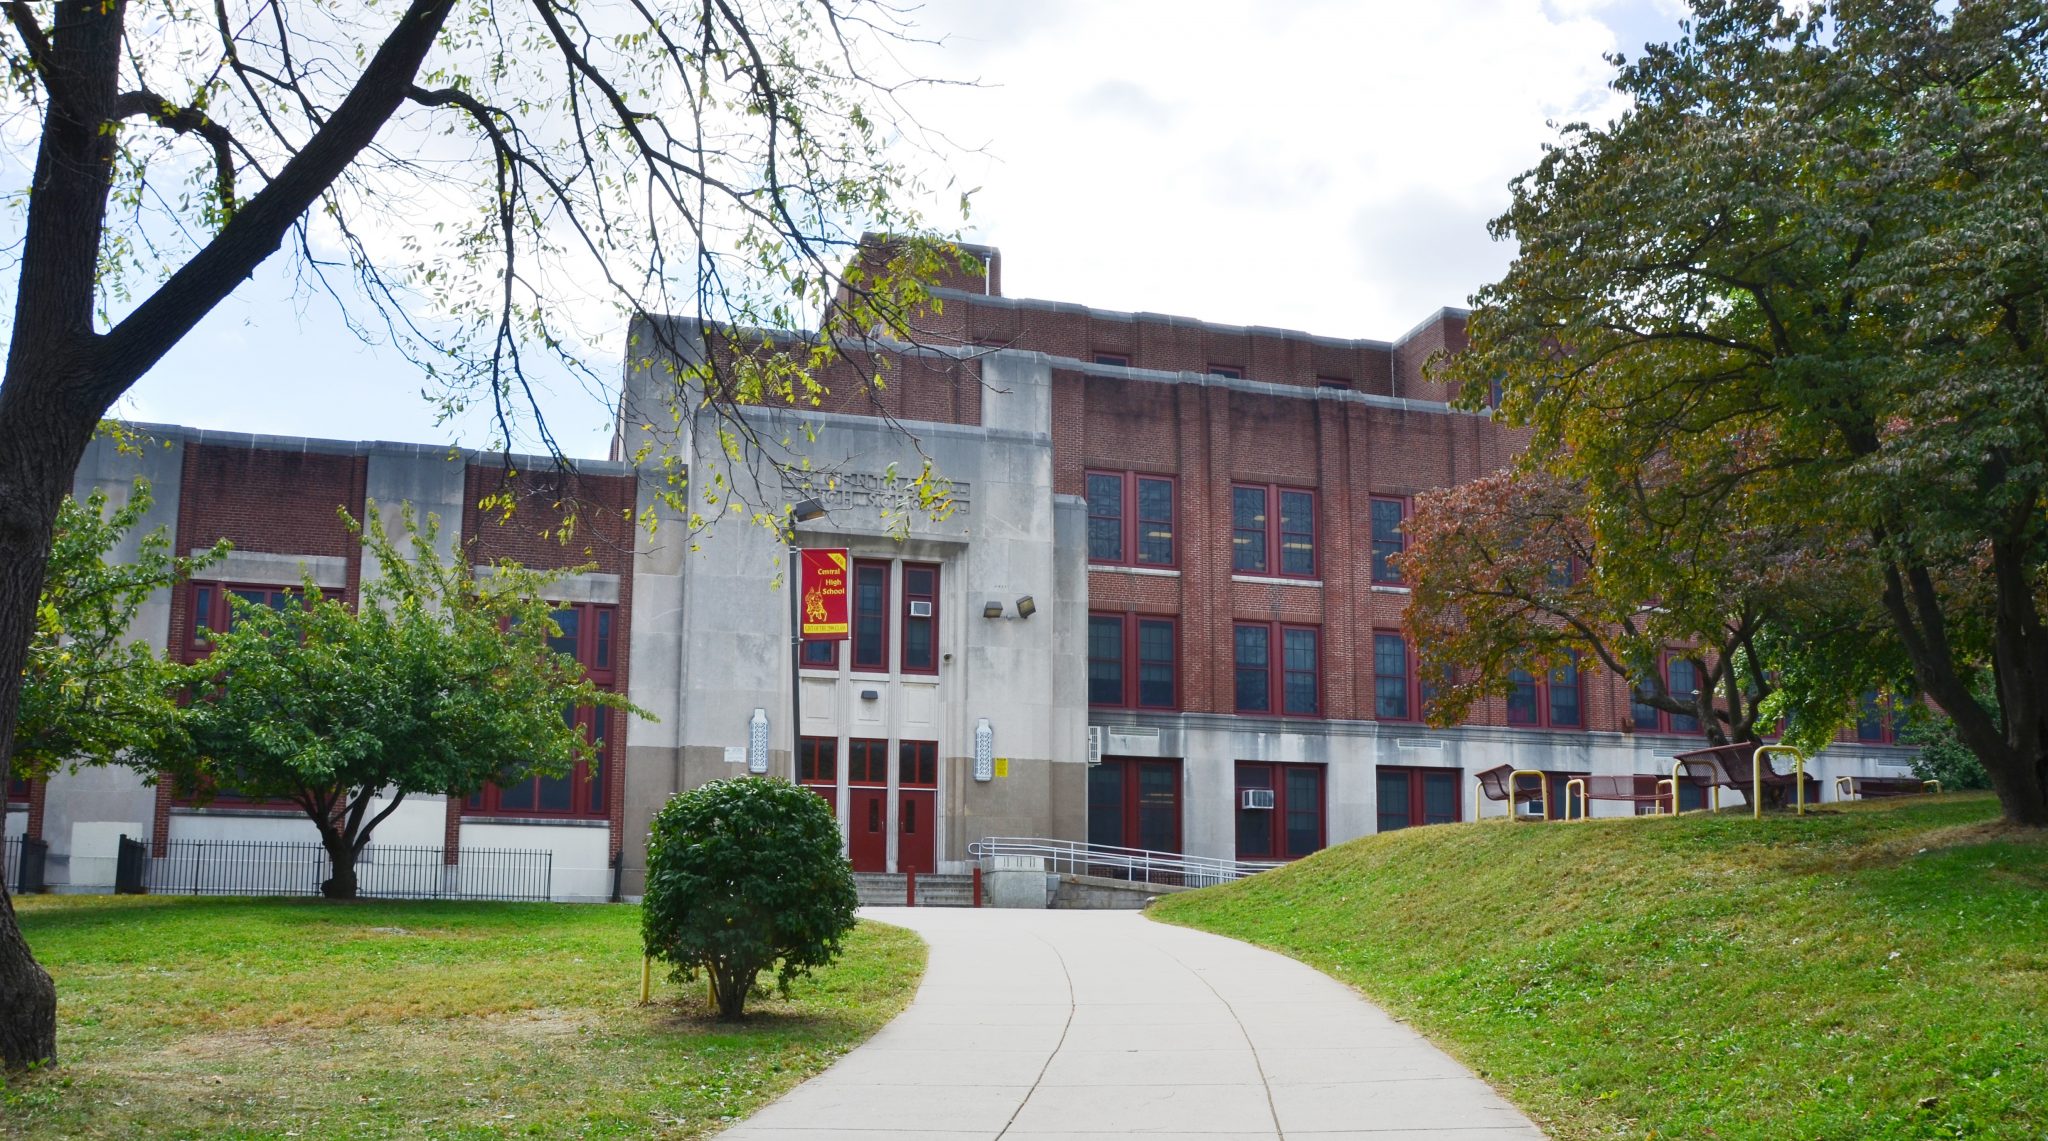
825, 594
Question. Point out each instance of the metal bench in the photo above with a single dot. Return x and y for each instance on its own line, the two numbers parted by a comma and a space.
1863, 788
1500, 783
1743, 767
1591, 788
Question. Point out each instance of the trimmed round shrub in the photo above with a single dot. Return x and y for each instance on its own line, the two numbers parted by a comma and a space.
743, 877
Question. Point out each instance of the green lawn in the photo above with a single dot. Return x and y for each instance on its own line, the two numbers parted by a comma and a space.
300, 1018
1872, 971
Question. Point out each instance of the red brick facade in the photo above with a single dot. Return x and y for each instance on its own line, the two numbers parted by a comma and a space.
534, 536
1209, 433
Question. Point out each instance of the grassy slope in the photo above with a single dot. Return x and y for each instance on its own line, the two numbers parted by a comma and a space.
245, 1018
1879, 971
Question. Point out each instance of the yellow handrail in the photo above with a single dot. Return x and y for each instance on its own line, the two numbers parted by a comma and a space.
1542, 789
1756, 768
1585, 809
1676, 766
1661, 782
1935, 783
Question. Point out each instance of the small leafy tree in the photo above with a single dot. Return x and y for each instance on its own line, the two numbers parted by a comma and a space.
745, 876
88, 693
440, 682
1802, 271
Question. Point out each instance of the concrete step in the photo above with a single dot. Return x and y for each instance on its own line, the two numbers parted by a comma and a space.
886, 889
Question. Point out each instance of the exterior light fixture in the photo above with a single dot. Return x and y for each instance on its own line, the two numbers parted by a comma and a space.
757, 741
1025, 607
802, 511
991, 609
984, 751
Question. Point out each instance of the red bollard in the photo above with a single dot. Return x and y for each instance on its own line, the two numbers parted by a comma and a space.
910, 889
977, 887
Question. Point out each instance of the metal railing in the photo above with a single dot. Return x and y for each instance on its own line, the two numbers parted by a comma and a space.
1139, 865
288, 867
22, 863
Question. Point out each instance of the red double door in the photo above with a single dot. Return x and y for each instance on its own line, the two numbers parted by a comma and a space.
867, 833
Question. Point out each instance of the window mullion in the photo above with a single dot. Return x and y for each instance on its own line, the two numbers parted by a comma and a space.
1133, 527
1275, 529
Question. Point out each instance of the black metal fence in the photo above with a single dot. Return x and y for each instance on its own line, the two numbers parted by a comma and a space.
22, 863
283, 867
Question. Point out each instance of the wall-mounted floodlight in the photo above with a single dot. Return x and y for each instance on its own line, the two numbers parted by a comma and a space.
984, 751
757, 741
991, 609
806, 511
1025, 607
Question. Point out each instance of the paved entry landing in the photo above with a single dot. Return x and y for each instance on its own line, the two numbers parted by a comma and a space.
1082, 1025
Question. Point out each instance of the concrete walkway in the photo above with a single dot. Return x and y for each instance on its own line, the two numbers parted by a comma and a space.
1100, 1024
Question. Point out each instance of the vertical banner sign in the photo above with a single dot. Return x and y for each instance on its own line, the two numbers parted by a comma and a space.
825, 598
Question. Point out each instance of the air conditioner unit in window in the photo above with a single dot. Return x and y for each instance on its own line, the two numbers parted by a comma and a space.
1095, 734
1255, 798
920, 610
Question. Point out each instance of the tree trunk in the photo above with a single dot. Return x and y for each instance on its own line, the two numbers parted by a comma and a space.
729, 986
28, 1032
2010, 739
35, 474
342, 884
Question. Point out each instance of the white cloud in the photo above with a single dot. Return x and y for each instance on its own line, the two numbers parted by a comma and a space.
1328, 166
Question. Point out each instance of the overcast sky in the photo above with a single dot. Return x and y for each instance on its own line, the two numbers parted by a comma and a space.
1319, 166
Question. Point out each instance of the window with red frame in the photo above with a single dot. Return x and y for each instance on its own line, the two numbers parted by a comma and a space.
1133, 662
1273, 530
210, 609
1278, 669
821, 653
818, 761
1334, 382
917, 764
1393, 678
587, 632
1410, 797
920, 618
1116, 360
1681, 681
17, 789
1388, 540
1230, 371
1130, 519
1550, 702
578, 793
1874, 719
870, 615
867, 761
1290, 822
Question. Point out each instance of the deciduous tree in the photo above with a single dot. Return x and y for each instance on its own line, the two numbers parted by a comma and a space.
1804, 271
91, 693
489, 173
440, 682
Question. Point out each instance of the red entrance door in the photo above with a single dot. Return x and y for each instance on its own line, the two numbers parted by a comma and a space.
914, 830
867, 837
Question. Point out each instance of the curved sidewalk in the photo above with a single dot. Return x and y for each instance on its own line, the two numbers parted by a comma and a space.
1101, 1024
